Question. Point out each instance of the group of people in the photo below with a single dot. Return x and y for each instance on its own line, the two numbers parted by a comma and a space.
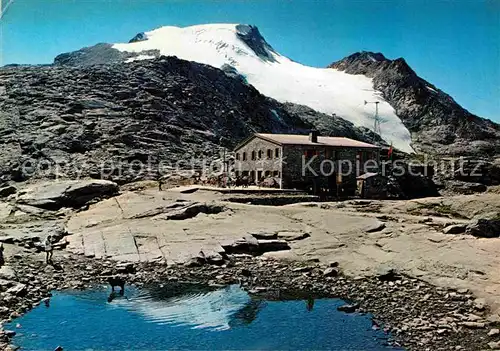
240, 181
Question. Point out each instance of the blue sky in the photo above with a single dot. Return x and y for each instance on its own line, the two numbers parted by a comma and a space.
453, 44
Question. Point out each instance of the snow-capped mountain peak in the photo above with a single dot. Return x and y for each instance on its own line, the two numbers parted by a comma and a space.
244, 48
212, 44
241, 49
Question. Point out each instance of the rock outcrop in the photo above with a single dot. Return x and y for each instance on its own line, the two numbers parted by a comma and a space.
439, 125
485, 225
73, 193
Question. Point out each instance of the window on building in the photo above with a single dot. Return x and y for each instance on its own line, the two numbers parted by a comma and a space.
309, 153
276, 174
237, 155
360, 160
359, 156
260, 154
253, 155
244, 156
277, 152
330, 154
269, 153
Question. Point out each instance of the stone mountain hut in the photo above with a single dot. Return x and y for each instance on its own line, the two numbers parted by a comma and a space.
321, 165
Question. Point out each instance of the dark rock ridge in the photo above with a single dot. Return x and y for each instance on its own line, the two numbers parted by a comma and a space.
139, 37
96, 121
438, 124
251, 36
101, 53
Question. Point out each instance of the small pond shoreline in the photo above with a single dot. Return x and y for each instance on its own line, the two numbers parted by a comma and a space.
418, 315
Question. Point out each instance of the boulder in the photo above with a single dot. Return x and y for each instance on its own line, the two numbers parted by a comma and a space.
273, 245
193, 210
7, 190
264, 235
71, 193
348, 308
464, 188
378, 226
494, 345
194, 262
479, 304
253, 246
455, 229
331, 272
212, 257
241, 246
17, 290
292, 236
494, 332
5, 284
7, 239
246, 272
411, 185
474, 325
302, 269
9, 333
485, 226
388, 274
6, 272
125, 267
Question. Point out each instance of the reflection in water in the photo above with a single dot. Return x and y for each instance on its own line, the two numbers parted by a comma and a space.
310, 303
213, 309
196, 306
114, 295
247, 314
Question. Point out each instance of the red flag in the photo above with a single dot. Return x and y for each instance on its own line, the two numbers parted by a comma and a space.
389, 154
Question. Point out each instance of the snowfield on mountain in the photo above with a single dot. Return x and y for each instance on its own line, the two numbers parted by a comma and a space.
326, 90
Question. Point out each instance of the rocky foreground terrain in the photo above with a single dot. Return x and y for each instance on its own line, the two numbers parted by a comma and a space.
427, 269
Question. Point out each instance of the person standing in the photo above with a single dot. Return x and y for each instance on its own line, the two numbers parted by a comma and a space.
2, 259
49, 249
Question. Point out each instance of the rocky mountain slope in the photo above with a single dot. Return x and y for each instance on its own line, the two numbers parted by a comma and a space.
101, 121
438, 124
416, 116
242, 49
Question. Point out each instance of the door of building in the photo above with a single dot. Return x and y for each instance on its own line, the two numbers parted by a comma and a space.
259, 175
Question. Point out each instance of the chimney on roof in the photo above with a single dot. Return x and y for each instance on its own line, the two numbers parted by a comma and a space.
313, 136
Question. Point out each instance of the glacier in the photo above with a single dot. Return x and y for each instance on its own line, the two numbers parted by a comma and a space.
326, 90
